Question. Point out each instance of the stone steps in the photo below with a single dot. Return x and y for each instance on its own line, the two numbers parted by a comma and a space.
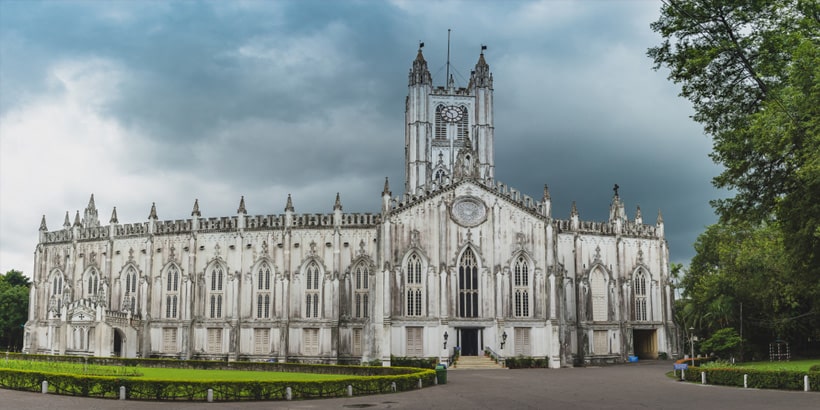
476, 363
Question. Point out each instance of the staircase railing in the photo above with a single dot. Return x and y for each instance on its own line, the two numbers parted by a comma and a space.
499, 358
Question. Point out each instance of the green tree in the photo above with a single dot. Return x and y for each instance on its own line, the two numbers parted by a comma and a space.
723, 343
752, 72
14, 293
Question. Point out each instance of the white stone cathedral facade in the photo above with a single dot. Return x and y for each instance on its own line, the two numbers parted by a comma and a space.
459, 260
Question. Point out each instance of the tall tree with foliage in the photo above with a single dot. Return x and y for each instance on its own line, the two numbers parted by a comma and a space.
752, 72
14, 293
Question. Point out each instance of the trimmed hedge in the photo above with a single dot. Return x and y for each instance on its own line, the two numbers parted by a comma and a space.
526, 362
364, 380
759, 379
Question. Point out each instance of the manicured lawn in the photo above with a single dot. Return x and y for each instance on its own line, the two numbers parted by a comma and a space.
168, 373
796, 365
233, 375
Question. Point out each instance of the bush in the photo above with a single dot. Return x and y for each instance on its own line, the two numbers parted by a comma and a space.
526, 362
759, 379
418, 362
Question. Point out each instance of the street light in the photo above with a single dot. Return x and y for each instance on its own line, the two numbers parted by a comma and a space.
503, 339
692, 344
445, 339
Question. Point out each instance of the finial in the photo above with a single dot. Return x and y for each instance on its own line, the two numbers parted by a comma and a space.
615, 188
546, 192
483, 47
153, 214
241, 209
574, 210
77, 219
67, 223
338, 204
91, 202
114, 219
195, 211
289, 205
43, 224
421, 45
386, 190
638, 214
660, 217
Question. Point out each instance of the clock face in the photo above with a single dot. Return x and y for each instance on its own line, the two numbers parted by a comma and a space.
451, 114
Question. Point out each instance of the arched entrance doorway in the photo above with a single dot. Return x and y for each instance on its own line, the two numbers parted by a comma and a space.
119, 343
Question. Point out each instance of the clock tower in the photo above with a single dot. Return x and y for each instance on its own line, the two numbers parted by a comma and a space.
449, 129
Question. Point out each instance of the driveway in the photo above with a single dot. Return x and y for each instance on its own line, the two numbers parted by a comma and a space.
628, 386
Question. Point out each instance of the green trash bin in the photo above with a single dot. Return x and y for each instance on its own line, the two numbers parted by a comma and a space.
441, 373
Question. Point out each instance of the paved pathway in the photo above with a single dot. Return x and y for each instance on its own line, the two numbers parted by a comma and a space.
629, 386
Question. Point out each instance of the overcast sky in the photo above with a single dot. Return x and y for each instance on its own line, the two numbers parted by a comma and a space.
149, 101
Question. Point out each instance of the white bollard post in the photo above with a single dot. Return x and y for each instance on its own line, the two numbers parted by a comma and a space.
806, 383
702, 377
745, 381
683, 374
122, 392
210, 396
419, 383
45, 386
349, 391
435, 381
288, 393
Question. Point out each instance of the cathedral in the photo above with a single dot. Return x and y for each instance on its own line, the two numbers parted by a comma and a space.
458, 262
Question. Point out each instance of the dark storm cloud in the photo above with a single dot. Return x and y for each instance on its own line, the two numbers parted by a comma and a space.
262, 99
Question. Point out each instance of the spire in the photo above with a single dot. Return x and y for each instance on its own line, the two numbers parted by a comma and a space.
386, 190
90, 218
43, 224
419, 74
241, 209
546, 193
67, 223
195, 211
338, 204
574, 210
638, 216
481, 75
153, 214
660, 217
77, 219
289, 205
114, 219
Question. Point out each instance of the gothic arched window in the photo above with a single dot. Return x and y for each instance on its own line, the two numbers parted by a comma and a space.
92, 283
216, 293
172, 292
414, 286
129, 298
521, 287
597, 282
263, 291
639, 286
361, 292
468, 285
312, 290
441, 125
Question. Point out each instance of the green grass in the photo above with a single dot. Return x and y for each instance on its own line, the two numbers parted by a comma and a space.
153, 373
234, 375
796, 365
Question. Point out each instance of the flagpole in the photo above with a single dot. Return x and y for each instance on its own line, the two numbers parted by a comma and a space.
447, 77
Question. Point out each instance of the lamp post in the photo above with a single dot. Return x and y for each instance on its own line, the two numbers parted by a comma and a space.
692, 344
503, 339
445, 339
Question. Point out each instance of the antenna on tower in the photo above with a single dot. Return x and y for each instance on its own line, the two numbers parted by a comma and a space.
447, 78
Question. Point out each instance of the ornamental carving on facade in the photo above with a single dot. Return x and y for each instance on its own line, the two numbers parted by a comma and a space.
468, 211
